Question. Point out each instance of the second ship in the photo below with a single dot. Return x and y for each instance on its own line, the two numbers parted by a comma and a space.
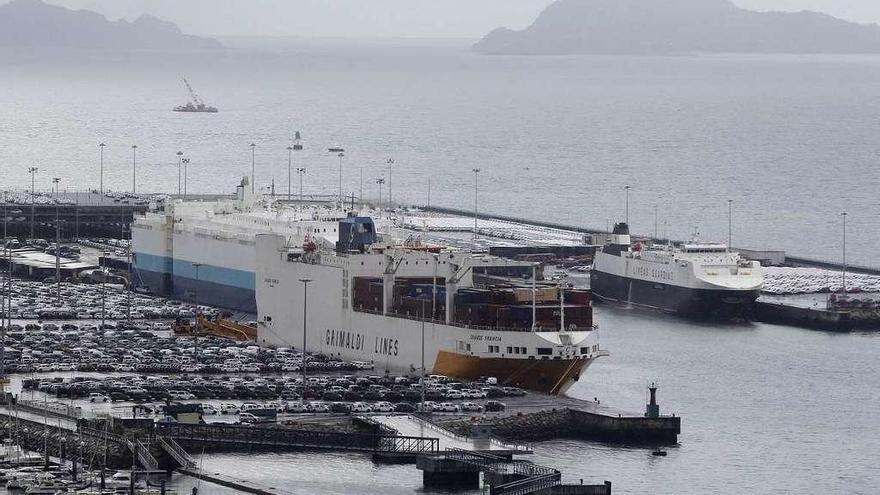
696, 280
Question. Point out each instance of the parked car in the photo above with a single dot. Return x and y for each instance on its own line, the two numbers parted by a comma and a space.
494, 406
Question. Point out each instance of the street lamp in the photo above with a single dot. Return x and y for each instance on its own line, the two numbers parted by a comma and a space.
305, 282
196, 265
626, 207
300, 171
33, 171
185, 162
729, 224
179, 162
55, 182
134, 169
390, 163
101, 180
289, 164
104, 291
341, 156
380, 181
843, 215
253, 166
476, 173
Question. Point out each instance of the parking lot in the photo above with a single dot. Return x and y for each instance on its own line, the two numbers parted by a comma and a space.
37, 300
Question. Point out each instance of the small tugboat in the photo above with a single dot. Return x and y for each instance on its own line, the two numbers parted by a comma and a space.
196, 105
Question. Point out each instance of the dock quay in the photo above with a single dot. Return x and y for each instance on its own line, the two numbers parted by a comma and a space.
461, 469
77, 215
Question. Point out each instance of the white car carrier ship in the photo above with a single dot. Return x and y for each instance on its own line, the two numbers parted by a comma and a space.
407, 309
207, 247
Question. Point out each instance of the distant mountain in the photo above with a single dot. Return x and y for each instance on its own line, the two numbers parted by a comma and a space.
678, 26
33, 23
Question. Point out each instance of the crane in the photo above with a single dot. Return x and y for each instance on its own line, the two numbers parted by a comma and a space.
196, 105
192, 94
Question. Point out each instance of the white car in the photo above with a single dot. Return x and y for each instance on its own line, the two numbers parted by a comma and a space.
361, 407
227, 408
209, 409
453, 394
246, 417
470, 407
95, 397
275, 405
297, 408
319, 407
448, 407
383, 407
249, 406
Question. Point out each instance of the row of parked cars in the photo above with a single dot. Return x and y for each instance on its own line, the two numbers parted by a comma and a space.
362, 393
32, 300
69, 346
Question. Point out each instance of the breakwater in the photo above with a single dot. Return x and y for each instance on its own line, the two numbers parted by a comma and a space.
577, 424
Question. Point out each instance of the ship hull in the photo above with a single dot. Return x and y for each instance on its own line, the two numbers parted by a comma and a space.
214, 285
697, 303
548, 376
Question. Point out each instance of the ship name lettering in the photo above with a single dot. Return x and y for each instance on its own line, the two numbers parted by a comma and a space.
345, 340
654, 273
487, 338
386, 346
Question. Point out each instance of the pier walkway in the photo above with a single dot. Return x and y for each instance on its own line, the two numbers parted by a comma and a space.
413, 426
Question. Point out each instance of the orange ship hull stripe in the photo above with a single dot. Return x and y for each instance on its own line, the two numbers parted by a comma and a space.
543, 375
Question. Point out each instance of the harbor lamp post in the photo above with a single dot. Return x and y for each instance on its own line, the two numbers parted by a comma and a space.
296, 146
305, 282
289, 165
253, 166
101, 175
55, 182
104, 292
843, 215
626, 205
185, 162
341, 156
179, 164
390, 163
33, 171
197, 325
380, 181
300, 171
134, 169
729, 224
476, 173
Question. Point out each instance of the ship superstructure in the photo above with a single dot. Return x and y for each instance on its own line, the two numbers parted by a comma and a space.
207, 248
694, 279
405, 309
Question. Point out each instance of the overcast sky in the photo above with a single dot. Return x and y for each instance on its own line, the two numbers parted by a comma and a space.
385, 18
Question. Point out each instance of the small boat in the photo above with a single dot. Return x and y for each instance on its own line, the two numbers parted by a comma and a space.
336, 149
122, 479
659, 453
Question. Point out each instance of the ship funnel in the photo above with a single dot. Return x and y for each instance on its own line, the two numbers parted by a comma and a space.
620, 234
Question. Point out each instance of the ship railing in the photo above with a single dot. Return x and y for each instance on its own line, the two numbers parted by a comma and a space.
285, 437
473, 327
